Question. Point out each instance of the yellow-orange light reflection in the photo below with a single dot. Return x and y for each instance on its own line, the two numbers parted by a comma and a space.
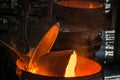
91, 5
70, 69
33, 70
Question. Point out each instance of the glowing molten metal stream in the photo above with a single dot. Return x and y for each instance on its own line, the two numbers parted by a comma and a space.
70, 69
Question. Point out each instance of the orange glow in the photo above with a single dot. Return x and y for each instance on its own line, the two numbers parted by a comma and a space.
81, 4
61, 63
87, 66
20, 64
33, 69
91, 6
45, 44
70, 69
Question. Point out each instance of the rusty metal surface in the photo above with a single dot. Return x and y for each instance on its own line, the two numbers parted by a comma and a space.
30, 76
81, 17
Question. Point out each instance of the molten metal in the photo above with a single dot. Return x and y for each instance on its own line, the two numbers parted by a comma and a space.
60, 63
70, 69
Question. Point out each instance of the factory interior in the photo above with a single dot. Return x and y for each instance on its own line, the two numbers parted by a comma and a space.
90, 27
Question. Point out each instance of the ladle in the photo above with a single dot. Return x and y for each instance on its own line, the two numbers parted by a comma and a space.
43, 47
